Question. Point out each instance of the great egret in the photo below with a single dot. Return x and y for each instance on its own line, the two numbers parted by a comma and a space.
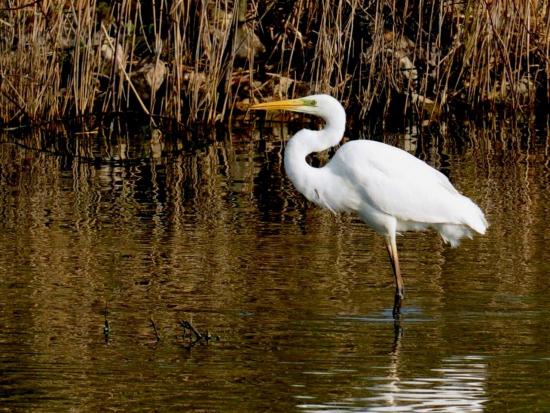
391, 190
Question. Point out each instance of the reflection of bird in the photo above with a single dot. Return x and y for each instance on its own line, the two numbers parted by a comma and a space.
390, 190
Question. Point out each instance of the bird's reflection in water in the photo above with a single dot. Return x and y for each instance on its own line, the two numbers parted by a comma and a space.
458, 384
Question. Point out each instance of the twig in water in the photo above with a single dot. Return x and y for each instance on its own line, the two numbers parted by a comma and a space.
106, 326
199, 338
157, 335
186, 325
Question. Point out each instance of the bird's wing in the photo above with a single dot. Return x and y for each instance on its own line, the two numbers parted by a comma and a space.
396, 183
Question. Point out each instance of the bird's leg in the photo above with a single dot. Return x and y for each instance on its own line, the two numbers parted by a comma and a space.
399, 286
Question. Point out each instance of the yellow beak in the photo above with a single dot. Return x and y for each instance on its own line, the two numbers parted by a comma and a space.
290, 104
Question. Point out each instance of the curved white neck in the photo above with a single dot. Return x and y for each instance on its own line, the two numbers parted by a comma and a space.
305, 177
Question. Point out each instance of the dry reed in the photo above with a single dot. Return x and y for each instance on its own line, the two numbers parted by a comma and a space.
199, 60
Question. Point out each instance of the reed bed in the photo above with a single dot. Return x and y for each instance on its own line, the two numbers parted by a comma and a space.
200, 61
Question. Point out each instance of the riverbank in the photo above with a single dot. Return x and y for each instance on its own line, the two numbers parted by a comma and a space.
200, 62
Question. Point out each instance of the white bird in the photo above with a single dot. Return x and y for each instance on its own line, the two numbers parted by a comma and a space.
391, 190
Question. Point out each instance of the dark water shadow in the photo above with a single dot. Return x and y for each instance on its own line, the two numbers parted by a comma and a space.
214, 233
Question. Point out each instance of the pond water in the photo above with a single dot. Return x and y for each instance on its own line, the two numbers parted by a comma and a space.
101, 261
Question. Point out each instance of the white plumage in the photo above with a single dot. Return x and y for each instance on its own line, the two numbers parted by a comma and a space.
391, 190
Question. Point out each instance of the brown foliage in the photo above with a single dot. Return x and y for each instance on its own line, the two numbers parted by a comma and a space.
197, 60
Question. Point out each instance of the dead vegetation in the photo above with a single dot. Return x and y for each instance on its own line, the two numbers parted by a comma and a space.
203, 61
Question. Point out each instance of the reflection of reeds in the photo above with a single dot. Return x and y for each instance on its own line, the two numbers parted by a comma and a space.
192, 236
195, 60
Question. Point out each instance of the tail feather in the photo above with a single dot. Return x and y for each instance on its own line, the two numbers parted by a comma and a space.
472, 219
453, 233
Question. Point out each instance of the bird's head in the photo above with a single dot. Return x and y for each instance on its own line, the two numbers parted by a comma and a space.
324, 106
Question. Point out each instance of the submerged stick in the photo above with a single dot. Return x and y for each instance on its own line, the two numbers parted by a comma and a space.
188, 326
157, 335
106, 325
199, 338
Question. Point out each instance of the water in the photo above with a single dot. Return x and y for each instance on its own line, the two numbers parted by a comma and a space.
102, 260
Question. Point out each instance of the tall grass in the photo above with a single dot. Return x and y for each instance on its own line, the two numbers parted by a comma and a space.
199, 60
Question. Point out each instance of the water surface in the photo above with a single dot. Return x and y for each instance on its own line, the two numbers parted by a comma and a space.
140, 239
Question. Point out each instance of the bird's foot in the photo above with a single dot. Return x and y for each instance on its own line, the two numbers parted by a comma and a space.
399, 295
